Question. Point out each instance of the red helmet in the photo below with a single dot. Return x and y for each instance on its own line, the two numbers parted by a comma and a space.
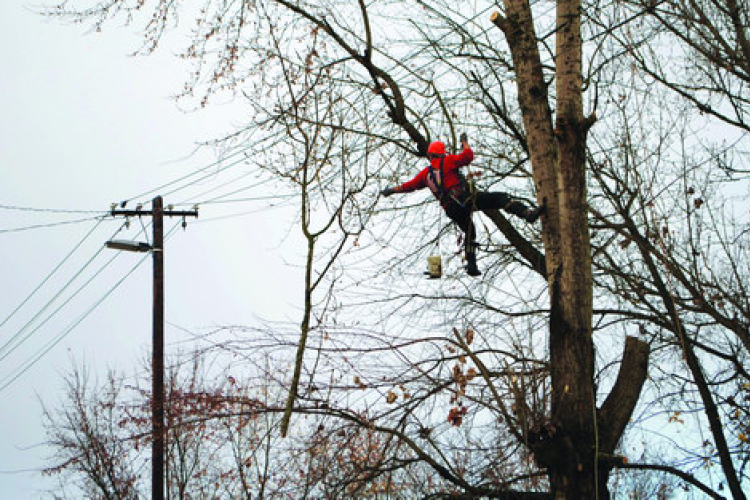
436, 148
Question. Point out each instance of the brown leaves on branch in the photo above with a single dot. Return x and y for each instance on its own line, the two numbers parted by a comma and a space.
456, 415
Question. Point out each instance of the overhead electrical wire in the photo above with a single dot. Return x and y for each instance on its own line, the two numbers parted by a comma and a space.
11, 344
50, 224
35, 358
249, 198
241, 151
51, 210
206, 176
47, 278
191, 174
239, 214
196, 177
105, 214
25, 366
219, 199
220, 186
9, 348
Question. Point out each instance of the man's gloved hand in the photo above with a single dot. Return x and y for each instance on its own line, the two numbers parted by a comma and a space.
463, 137
387, 192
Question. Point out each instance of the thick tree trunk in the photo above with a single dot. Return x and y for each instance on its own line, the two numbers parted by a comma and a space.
571, 345
567, 446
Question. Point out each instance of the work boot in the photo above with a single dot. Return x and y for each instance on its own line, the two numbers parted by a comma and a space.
471, 265
532, 214
473, 270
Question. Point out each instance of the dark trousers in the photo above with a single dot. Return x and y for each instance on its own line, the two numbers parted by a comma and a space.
459, 209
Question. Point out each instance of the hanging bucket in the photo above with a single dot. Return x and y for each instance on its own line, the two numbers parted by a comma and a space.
434, 266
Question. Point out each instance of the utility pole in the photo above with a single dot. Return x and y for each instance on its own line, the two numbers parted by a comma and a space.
157, 355
158, 435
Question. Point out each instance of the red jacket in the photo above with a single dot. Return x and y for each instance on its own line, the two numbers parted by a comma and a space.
451, 164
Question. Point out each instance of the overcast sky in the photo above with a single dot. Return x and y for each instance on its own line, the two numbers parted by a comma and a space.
83, 125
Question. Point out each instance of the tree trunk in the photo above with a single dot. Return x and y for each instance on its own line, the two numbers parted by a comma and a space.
567, 446
571, 346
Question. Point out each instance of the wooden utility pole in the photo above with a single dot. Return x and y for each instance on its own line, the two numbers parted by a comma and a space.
157, 356
158, 436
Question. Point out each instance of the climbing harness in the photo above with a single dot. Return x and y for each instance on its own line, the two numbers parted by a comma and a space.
461, 194
435, 180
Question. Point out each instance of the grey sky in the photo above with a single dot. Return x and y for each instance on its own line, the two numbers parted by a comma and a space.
83, 125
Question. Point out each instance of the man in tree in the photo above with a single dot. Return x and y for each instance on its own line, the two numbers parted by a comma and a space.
457, 198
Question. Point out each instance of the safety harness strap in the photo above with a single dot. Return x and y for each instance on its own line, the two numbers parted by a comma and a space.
460, 194
437, 183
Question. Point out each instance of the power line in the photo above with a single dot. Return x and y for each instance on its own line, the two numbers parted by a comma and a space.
35, 358
51, 224
50, 210
218, 199
241, 214
206, 176
33, 292
203, 177
191, 201
103, 213
220, 186
141, 196
21, 336
24, 367
9, 348
8, 344
249, 198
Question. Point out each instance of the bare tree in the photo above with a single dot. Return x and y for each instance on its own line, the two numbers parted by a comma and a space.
536, 400
714, 35
85, 434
